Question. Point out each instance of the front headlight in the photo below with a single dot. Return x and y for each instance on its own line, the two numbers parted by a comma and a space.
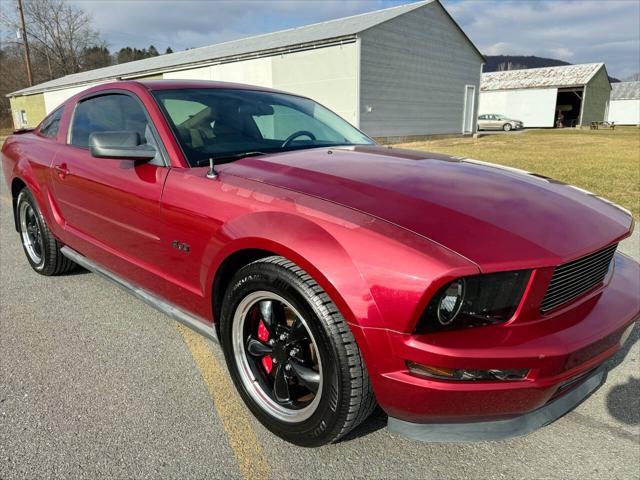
450, 302
475, 301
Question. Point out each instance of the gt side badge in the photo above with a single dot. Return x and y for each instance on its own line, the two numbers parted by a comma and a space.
180, 246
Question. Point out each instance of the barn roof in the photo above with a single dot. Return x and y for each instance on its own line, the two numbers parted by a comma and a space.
625, 91
309, 34
560, 77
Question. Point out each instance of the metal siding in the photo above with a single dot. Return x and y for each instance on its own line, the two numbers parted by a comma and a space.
57, 97
285, 40
624, 112
155, 76
257, 72
327, 75
535, 107
34, 107
414, 70
596, 97
201, 73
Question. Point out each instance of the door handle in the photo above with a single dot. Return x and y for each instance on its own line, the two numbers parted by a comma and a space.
62, 170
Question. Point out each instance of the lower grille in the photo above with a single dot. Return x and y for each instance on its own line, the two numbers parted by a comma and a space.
572, 383
572, 279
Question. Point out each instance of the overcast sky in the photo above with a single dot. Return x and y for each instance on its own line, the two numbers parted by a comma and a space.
572, 30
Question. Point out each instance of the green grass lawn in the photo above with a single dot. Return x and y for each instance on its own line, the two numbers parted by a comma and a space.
606, 162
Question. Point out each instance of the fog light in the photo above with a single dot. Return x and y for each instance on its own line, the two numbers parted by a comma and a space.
440, 373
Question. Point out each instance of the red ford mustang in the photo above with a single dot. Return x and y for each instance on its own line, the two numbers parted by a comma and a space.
469, 301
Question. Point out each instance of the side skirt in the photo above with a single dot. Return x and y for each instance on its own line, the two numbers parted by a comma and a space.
198, 324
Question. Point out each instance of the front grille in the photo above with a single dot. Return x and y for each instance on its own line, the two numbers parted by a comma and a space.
572, 279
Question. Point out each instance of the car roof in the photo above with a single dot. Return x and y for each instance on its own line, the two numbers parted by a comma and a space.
187, 84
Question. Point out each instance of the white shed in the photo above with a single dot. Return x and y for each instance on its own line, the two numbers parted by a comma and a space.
565, 96
624, 106
405, 71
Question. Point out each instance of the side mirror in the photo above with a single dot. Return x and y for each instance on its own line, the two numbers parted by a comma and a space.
124, 145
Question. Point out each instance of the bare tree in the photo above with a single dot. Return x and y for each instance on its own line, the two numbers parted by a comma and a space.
59, 33
62, 40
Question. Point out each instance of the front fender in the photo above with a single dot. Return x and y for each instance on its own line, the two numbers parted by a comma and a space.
305, 243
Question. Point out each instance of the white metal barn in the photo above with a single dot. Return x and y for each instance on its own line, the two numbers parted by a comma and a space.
565, 96
624, 106
400, 72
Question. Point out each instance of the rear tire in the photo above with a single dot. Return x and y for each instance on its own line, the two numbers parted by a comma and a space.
507, 127
40, 246
327, 392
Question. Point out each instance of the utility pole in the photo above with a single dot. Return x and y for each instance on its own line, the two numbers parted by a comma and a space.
23, 32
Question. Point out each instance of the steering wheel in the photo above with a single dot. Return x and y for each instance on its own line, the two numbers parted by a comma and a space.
299, 133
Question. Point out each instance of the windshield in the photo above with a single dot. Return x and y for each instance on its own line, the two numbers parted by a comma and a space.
227, 124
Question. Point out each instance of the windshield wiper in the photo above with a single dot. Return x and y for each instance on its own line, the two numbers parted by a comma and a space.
235, 156
238, 156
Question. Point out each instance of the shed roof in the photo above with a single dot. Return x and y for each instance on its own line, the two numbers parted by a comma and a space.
625, 91
309, 34
561, 77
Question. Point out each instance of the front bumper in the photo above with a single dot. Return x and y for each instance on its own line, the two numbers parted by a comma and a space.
501, 429
563, 353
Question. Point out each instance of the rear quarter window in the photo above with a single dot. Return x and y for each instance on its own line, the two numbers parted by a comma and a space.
51, 124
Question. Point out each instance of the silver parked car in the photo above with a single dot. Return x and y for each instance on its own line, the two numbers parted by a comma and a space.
494, 121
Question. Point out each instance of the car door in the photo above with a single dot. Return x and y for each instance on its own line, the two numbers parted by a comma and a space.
111, 204
490, 123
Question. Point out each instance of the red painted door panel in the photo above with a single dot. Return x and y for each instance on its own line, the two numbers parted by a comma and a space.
112, 203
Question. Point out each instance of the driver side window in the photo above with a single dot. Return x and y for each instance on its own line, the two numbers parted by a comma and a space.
110, 113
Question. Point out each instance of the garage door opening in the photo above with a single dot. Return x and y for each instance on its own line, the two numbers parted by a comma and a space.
568, 107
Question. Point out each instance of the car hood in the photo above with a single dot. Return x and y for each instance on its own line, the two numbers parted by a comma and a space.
497, 217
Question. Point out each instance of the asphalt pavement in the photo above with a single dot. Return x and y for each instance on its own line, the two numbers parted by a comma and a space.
94, 384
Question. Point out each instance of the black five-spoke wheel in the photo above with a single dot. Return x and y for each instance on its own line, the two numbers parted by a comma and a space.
291, 355
30, 232
279, 362
40, 246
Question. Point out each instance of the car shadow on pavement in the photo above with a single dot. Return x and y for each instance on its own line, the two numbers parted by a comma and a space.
76, 271
623, 401
376, 421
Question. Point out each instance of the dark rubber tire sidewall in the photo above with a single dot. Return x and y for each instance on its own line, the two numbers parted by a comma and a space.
53, 262
325, 424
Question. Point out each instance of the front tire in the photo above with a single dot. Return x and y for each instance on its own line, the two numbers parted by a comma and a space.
40, 246
291, 354
507, 127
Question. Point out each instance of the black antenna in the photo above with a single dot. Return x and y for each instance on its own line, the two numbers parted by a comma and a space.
212, 169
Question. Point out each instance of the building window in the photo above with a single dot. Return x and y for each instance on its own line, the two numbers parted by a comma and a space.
22, 118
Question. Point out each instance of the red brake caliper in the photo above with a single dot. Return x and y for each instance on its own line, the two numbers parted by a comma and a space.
263, 336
